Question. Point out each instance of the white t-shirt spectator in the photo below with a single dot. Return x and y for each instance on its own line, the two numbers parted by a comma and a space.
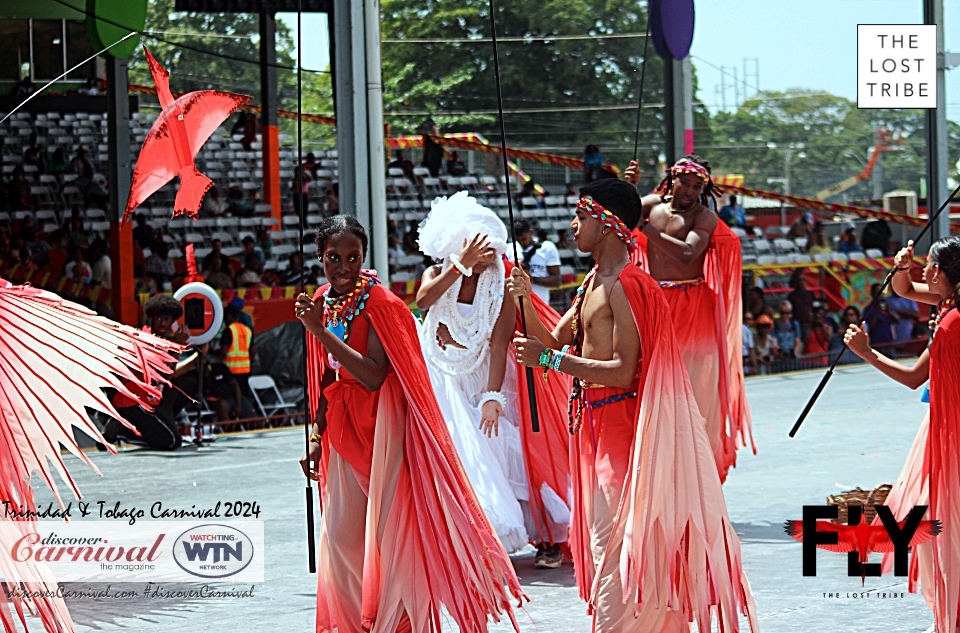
546, 255
102, 271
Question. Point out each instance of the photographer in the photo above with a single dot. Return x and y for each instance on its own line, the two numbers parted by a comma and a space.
880, 324
764, 344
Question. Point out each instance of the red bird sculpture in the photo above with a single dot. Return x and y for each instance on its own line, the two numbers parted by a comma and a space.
173, 142
863, 538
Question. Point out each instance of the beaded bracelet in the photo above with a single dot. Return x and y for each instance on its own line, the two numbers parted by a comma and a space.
492, 396
545, 358
316, 437
466, 272
557, 357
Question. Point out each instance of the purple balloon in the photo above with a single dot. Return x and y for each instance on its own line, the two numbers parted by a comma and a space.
656, 27
676, 20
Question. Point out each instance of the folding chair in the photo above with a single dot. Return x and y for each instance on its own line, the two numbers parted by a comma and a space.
264, 383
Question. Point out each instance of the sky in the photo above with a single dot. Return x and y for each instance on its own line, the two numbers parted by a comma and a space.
796, 44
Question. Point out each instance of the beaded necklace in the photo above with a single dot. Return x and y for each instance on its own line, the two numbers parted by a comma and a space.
575, 404
942, 309
339, 312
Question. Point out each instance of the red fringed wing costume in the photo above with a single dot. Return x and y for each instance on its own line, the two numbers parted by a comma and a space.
175, 139
679, 548
56, 358
435, 517
723, 271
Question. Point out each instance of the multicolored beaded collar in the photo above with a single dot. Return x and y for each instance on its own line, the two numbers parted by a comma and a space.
596, 211
339, 312
942, 309
575, 404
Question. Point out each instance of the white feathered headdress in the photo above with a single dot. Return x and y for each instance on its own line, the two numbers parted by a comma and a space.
457, 218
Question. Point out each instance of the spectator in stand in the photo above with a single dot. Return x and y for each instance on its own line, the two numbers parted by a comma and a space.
455, 166
79, 160
26, 233
159, 265
33, 155
300, 190
765, 344
78, 268
801, 299
332, 194
237, 203
25, 259
904, 313
410, 238
250, 248
395, 251
801, 227
757, 305
529, 190
787, 331
393, 230
18, 191
316, 275
102, 266
733, 214
58, 165
432, 152
213, 272
849, 242
237, 346
213, 204
92, 191
817, 243
820, 314
749, 349
850, 316
264, 243
402, 163
541, 260
77, 236
58, 251
294, 275
250, 275
879, 324
216, 250
90, 89
816, 342
142, 232
246, 126
593, 163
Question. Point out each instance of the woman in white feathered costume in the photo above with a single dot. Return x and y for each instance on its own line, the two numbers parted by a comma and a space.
465, 335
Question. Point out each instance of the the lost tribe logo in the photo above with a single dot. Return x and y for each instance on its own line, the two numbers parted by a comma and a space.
858, 539
213, 551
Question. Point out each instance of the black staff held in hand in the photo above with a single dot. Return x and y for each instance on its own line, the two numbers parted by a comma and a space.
531, 393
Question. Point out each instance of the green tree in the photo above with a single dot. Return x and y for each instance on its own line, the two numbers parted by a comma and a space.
454, 80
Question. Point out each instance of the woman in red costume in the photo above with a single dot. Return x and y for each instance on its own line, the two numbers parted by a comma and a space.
930, 475
402, 532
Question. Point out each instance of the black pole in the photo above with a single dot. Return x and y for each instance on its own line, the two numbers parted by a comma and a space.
531, 388
298, 193
873, 303
643, 74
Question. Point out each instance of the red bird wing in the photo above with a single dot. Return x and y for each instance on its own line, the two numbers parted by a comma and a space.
926, 531
203, 112
846, 537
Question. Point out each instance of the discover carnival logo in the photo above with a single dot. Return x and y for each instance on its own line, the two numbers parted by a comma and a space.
213, 551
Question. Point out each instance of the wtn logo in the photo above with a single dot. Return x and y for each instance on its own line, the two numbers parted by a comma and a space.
220, 550
213, 551
858, 539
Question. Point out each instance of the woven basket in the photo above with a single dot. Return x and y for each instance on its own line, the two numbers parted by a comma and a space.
858, 497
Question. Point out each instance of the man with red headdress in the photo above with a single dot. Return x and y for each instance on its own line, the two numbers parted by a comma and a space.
653, 546
696, 260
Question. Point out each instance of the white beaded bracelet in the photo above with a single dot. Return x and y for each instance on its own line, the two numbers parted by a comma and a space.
466, 272
495, 396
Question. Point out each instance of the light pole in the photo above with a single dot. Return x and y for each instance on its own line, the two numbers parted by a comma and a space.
787, 161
